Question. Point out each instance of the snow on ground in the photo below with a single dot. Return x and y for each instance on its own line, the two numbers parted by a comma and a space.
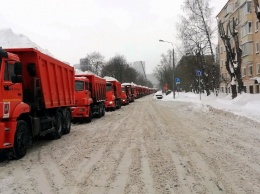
148, 146
247, 105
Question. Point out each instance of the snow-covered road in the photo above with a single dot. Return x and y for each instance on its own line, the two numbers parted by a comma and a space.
150, 146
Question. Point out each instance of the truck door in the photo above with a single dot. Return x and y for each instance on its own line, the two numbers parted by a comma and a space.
11, 90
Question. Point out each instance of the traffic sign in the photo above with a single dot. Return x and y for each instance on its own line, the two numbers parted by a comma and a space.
198, 73
177, 80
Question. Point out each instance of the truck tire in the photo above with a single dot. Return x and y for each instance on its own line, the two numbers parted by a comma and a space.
100, 111
67, 122
21, 140
117, 104
89, 118
58, 126
104, 110
113, 108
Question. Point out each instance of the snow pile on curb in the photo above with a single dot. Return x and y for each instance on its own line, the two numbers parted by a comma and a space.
247, 105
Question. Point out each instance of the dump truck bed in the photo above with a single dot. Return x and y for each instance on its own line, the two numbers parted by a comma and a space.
46, 77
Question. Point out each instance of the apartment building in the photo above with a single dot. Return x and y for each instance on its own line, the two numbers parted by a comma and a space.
249, 39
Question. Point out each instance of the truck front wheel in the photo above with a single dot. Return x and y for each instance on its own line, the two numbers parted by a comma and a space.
20, 141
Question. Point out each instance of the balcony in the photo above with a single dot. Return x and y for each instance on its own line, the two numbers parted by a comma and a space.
247, 38
246, 18
247, 59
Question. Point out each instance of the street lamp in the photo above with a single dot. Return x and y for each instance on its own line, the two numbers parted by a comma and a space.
173, 66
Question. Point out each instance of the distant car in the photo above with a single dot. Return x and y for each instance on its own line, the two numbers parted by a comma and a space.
159, 95
168, 92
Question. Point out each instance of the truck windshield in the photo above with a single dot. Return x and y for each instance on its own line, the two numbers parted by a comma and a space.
109, 87
79, 85
9, 70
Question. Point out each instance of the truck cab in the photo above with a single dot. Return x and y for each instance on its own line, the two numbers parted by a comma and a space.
83, 101
124, 96
129, 90
110, 97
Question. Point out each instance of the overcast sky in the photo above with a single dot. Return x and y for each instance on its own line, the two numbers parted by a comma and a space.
71, 29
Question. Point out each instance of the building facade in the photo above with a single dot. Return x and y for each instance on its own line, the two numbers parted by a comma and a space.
242, 11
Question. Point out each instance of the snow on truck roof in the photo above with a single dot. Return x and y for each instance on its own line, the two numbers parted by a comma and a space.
127, 84
107, 78
79, 72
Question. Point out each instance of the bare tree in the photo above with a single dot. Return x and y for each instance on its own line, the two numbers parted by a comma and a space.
115, 67
225, 79
93, 62
118, 68
96, 61
257, 9
85, 65
234, 56
163, 72
196, 33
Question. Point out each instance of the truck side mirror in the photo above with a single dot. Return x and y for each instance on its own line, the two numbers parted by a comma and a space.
3, 53
18, 68
16, 79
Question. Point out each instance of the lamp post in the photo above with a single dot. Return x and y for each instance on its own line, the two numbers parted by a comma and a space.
173, 67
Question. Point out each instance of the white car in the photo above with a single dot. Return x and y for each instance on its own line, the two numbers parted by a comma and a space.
159, 95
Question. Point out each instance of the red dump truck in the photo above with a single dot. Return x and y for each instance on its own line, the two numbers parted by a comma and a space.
130, 91
36, 94
90, 97
113, 94
124, 95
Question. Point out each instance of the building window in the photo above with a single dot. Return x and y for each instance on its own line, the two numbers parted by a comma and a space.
247, 28
250, 27
251, 89
257, 47
250, 70
243, 71
222, 63
244, 89
247, 48
246, 8
257, 89
256, 26
236, 4
229, 9
258, 68
221, 49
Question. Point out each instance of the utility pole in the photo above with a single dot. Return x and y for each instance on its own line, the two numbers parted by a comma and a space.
143, 68
173, 70
173, 67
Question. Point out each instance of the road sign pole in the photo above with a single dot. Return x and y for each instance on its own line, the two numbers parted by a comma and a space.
199, 88
199, 73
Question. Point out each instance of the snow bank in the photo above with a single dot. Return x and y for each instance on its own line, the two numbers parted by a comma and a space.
247, 105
